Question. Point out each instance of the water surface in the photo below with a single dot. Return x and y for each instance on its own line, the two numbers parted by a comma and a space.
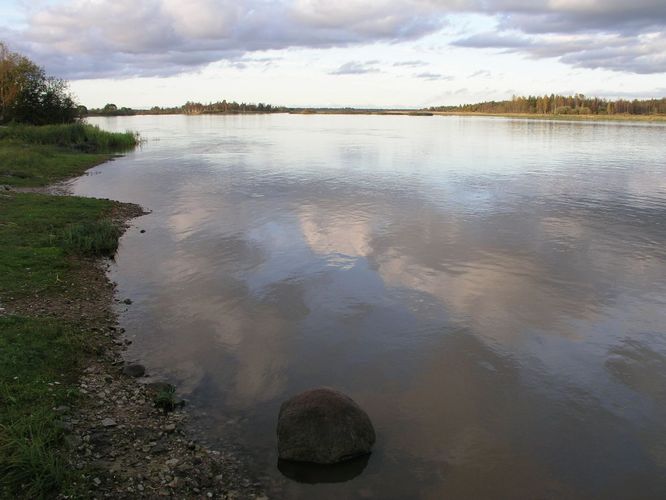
491, 291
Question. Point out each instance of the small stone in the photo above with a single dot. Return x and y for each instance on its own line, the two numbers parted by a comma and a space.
73, 441
172, 462
97, 481
159, 448
169, 428
127, 301
108, 422
142, 231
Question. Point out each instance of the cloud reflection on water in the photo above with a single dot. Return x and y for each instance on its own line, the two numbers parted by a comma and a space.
485, 300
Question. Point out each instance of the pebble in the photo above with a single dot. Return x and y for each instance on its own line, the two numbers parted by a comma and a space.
108, 422
139, 449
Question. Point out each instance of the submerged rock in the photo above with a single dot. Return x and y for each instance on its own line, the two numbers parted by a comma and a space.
323, 426
134, 370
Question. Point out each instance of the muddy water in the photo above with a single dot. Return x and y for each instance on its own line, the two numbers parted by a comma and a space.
491, 291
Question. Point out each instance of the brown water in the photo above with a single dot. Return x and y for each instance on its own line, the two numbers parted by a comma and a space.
491, 291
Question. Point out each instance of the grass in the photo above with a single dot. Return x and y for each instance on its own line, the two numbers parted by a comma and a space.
41, 241
78, 136
92, 239
39, 362
26, 165
44, 242
39, 234
166, 399
37, 156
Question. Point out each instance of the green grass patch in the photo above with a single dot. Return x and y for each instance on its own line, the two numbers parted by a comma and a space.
78, 136
29, 165
92, 239
39, 233
39, 363
37, 156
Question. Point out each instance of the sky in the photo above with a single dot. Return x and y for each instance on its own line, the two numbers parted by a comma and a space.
379, 53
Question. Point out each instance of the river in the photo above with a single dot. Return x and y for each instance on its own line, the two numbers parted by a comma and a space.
491, 291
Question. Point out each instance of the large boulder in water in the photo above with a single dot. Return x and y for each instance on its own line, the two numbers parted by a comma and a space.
323, 426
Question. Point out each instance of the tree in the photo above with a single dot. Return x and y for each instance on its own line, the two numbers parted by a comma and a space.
28, 95
13, 68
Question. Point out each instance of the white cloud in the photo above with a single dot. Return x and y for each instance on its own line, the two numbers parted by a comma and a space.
97, 38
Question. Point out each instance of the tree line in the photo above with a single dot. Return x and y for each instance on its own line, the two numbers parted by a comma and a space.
577, 104
29, 95
189, 108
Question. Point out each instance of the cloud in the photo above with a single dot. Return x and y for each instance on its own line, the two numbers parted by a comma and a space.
97, 38
356, 68
576, 16
410, 64
245, 62
100, 38
433, 76
637, 54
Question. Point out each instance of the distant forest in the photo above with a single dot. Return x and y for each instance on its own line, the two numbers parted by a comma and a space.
562, 105
189, 108
534, 105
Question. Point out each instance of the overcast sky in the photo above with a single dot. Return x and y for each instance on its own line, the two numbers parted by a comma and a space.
381, 53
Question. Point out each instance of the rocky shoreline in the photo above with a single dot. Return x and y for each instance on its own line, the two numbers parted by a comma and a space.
124, 445
134, 449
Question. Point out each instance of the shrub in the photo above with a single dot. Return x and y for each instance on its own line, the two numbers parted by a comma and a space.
166, 399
